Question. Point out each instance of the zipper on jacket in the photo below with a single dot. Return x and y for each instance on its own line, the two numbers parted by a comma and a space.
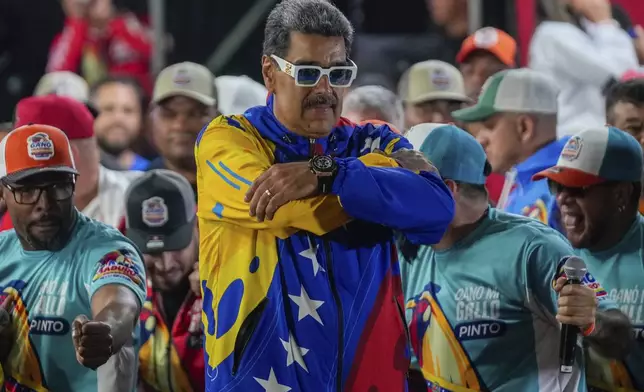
311, 147
338, 304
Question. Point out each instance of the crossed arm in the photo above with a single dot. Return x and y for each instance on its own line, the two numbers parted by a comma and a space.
372, 188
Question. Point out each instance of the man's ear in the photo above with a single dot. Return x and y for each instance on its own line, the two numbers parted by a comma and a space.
622, 194
452, 186
268, 73
525, 127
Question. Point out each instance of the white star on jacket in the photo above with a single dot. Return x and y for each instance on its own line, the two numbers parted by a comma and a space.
306, 306
271, 384
311, 254
294, 353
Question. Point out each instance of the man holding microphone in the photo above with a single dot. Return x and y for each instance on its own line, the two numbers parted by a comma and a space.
486, 303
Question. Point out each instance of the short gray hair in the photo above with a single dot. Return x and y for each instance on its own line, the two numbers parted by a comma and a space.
375, 99
307, 17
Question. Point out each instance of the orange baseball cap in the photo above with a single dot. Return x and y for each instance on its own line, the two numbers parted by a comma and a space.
492, 40
34, 149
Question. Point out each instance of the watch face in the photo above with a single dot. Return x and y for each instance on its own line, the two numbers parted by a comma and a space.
323, 163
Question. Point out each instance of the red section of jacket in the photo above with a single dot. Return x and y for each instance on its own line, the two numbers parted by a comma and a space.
186, 336
494, 185
126, 47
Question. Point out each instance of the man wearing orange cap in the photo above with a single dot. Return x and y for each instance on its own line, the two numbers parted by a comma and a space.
484, 53
99, 191
76, 285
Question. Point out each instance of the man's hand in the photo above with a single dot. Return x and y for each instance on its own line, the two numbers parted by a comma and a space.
412, 160
92, 341
195, 285
6, 328
280, 184
577, 304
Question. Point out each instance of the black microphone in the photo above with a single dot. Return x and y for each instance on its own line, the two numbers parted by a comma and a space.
5, 318
574, 270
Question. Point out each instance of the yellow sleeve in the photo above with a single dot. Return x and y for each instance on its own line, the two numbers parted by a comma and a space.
229, 159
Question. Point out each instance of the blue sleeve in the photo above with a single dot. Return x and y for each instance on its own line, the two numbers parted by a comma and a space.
419, 205
117, 263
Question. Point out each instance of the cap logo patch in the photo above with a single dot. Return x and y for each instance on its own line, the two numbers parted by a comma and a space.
486, 38
440, 79
181, 77
155, 242
572, 149
154, 212
40, 147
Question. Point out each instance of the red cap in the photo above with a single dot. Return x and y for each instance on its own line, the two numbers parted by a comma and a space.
66, 114
492, 40
633, 74
34, 149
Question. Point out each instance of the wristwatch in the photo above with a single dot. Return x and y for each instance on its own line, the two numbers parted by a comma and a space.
325, 168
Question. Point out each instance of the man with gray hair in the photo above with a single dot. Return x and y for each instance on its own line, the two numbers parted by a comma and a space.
373, 103
308, 297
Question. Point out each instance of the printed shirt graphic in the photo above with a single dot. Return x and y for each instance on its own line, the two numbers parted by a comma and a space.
621, 270
480, 319
533, 198
49, 290
171, 357
272, 311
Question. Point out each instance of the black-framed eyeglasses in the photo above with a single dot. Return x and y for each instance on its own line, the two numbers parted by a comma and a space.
30, 194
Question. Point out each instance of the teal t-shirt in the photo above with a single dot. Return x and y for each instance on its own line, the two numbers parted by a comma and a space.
482, 314
49, 290
621, 270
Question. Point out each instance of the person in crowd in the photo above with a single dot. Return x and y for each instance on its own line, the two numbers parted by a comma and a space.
119, 101
474, 312
451, 19
239, 93
99, 192
161, 221
183, 102
598, 182
310, 203
518, 111
100, 40
484, 53
595, 52
373, 103
65, 83
76, 285
431, 90
625, 107
625, 110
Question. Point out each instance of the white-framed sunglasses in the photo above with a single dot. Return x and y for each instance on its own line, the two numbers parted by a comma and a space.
310, 75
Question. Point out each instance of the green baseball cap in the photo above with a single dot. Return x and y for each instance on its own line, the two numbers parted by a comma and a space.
513, 91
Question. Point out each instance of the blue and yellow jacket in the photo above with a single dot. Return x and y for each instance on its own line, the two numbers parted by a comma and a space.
311, 300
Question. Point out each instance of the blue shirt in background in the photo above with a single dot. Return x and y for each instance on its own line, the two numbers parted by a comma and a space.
533, 198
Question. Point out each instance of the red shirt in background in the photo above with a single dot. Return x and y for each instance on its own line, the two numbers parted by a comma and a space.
5, 222
494, 186
125, 49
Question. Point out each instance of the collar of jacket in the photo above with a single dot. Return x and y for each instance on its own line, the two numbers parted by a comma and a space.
290, 146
